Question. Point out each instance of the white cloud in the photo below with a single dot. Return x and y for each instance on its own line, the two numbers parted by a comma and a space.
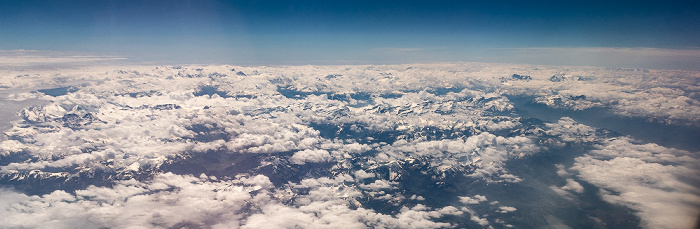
472, 200
170, 200
361, 174
660, 95
561, 170
167, 201
146, 116
379, 185
494, 126
474, 217
310, 156
563, 193
573, 186
506, 209
446, 117
645, 177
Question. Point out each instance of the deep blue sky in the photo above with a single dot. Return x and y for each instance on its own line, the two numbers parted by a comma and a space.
313, 32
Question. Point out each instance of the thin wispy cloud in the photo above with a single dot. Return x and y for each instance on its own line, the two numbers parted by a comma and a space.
32, 57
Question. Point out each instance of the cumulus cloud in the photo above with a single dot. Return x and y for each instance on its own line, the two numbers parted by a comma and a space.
167, 201
658, 95
561, 170
568, 190
361, 174
506, 209
472, 200
646, 177
361, 132
131, 121
475, 217
649, 178
379, 185
172, 200
310, 156
573, 186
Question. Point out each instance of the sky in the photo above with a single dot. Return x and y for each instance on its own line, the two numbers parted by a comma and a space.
659, 34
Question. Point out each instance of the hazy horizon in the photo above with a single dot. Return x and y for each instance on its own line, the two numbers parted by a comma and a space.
593, 33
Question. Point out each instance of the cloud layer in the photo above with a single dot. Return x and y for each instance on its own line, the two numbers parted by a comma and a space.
331, 146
